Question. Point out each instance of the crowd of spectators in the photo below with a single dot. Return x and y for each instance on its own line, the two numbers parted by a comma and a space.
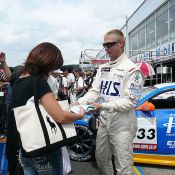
72, 83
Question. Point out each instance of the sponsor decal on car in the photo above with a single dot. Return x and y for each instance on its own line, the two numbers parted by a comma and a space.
170, 125
166, 131
147, 147
171, 143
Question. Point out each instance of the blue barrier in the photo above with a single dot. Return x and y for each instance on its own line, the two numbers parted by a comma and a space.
3, 160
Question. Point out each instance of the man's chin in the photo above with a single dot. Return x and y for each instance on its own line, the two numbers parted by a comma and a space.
112, 58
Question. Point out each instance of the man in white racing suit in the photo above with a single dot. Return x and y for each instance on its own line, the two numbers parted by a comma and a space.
119, 83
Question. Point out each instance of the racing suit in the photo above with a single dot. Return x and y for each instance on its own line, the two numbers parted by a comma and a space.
119, 83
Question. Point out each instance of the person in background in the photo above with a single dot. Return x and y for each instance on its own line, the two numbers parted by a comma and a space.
79, 85
41, 62
70, 77
119, 84
53, 82
64, 83
89, 80
79, 81
5, 72
58, 74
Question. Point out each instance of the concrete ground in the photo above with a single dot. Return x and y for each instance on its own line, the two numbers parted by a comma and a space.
90, 168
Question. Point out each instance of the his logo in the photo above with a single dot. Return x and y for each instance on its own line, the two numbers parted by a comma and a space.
110, 88
169, 125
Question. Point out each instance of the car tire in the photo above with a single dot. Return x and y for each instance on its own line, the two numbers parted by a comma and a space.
84, 148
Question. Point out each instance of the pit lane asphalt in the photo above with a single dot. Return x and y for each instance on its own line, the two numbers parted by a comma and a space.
90, 168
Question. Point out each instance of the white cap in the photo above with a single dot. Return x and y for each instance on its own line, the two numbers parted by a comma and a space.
58, 71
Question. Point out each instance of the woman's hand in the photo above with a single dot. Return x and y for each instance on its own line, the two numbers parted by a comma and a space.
82, 112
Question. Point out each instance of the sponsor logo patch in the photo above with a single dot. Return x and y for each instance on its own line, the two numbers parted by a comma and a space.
105, 69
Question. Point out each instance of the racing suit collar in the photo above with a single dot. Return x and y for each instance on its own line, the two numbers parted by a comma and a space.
117, 60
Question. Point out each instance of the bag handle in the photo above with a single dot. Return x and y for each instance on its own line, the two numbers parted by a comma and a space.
36, 99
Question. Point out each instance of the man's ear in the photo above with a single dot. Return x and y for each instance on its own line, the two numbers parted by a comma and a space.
122, 42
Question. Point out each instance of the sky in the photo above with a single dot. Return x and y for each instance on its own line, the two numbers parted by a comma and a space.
72, 25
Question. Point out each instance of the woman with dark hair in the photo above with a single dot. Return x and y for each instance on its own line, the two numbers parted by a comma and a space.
41, 62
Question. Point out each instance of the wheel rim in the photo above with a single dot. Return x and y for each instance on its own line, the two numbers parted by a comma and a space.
83, 146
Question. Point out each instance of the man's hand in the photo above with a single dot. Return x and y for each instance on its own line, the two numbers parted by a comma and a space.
97, 108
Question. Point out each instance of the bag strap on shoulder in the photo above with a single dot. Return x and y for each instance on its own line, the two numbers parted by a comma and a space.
36, 100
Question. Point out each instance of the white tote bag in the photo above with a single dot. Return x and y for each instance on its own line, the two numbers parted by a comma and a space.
39, 133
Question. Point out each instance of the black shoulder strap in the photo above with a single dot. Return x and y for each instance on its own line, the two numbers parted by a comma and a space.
36, 99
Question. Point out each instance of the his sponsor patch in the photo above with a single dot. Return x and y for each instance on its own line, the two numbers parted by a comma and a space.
135, 92
110, 88
105, 69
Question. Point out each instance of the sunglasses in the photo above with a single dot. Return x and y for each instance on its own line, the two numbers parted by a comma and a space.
110, 44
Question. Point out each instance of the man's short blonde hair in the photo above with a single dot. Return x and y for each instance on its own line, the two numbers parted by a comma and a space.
119, 35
